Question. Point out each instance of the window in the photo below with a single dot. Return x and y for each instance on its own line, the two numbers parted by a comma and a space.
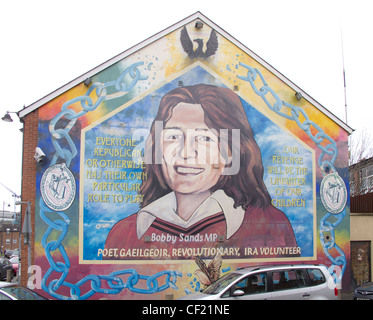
222, 283
4, 297
288, 279
4, 262
369, 171
252, 284
366, 175
22, 293
316, 277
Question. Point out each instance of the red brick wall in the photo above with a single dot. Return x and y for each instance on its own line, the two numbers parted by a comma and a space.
362, 203
30, 140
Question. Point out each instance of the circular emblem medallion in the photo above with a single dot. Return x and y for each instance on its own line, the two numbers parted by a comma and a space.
333, 193
58, 187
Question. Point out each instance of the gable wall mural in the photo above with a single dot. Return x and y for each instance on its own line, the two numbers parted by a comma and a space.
184, 161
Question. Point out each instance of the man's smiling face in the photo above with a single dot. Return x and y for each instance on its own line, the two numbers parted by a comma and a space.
191, 158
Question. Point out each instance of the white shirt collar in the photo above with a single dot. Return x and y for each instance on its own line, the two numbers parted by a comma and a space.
165, 208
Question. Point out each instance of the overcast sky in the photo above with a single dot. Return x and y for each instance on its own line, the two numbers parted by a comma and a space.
46, 44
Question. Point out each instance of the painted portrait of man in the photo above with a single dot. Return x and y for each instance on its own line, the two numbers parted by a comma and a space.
193, 197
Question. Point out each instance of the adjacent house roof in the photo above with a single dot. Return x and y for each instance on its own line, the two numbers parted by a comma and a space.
22, 113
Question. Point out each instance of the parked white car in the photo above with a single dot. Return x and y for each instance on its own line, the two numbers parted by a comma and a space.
278, 282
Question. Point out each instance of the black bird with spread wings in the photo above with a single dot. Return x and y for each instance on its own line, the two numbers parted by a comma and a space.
211, 45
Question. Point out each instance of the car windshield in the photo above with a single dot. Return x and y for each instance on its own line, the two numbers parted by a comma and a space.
22, 293
4, 262
222, 283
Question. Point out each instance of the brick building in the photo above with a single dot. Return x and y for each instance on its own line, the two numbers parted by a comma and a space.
106, 215
361, 185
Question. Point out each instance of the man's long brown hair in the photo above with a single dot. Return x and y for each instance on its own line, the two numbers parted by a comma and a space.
223, 110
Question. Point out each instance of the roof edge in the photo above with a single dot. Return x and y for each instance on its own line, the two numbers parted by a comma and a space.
197, 15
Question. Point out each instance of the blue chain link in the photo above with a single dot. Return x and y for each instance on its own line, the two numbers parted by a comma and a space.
88, 104
296, 113
114, 282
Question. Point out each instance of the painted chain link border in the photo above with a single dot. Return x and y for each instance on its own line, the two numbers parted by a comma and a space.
327, 235
114, 282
